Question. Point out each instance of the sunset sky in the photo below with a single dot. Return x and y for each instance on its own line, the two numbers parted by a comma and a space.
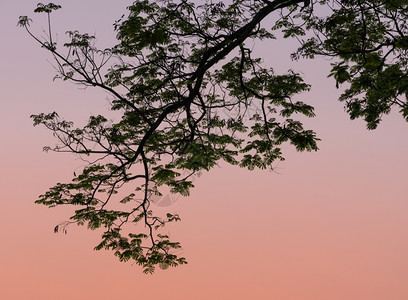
327, 225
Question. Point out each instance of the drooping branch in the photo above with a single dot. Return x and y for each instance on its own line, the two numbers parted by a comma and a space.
175, 84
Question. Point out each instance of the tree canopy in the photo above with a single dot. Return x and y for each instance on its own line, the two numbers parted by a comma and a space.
191, 93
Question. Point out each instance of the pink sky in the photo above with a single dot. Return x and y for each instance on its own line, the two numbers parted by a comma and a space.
327, 225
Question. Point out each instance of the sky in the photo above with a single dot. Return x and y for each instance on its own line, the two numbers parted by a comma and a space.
330, 224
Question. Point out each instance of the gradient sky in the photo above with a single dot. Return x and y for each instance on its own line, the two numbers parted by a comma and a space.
326, 225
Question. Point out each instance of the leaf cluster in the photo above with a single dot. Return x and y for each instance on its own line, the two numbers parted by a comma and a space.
368, 40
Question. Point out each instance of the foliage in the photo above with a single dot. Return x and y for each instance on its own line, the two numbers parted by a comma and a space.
191, 94
370, 43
